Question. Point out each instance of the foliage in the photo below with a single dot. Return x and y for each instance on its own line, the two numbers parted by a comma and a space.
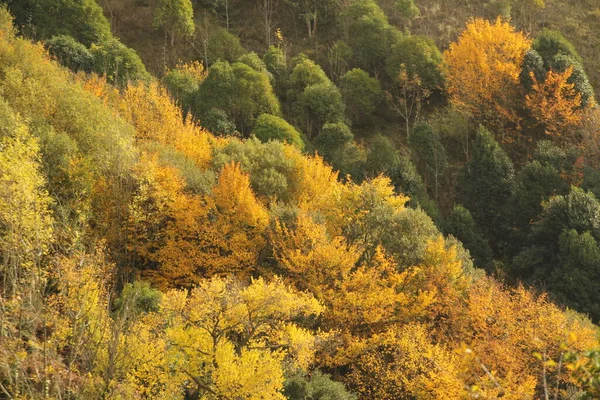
241, 92
269, 127
70, 53
482, 70
83, 20
487, 181
176, 17
361, 94
118, 62
418, 55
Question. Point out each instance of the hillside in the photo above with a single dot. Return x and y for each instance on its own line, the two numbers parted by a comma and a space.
299, 199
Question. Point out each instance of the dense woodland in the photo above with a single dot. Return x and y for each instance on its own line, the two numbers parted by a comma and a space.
299, 199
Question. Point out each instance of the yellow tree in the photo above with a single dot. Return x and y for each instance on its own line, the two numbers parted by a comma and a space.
182, 237
232, 341
482, 70
556, 104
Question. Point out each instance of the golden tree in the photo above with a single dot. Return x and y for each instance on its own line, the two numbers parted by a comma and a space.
556, 104
482, 70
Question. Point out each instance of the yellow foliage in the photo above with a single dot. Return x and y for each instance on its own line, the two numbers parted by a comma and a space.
316, 185
259, 317
556, 104
193, 236
156, 117
403, 363
482, 70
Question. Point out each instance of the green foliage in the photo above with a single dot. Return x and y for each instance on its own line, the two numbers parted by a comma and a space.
271, 172
224, 46
182, 86
550, 43
176, 17
70, 53
118, 63
253, 61
238, 90
304, 74
269, 127
335, 143
486, 183
81, 19
217, 122
317, 386
197, 181
418, 55
318, 105
535, 184
382, 156
276, 63
333, 136
136, 298
461, 225
532, 63
369, 34
361, 94
428, 149
408, 9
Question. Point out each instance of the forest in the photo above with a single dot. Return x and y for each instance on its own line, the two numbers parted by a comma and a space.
299, 199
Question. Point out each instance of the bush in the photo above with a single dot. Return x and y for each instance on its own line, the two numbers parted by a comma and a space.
70, 53
118, 63
269, 127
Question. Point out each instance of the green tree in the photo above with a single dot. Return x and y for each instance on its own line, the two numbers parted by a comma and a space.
382, 156
238, 90
81, 19
361, 94
276, 63
430, 154
418, 55
118, 63
223, 46
176, 17
369, 34
269, 127
70, 53
317, 105
461, 225
486, 183
316, 386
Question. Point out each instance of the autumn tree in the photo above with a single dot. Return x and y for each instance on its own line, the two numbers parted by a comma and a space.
482, 70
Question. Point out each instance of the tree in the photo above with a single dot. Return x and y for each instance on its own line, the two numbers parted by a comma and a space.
361, 94
417, 55
556, 105
461, 225
486, 183
482, 70
430, 153
70, 53
382, 156
407, 97
223, 46
81, 19
369, 34
230, 340
269, 127
315, 386
241, 92
267, 10
176, 17
118, 63
319, 104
